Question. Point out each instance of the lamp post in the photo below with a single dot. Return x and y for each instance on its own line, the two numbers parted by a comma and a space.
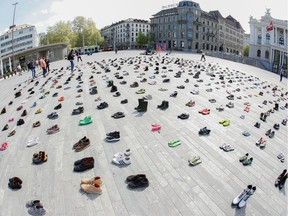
15, 4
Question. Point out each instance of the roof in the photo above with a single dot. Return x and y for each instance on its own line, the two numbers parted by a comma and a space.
166, 11
229, 19
17, 28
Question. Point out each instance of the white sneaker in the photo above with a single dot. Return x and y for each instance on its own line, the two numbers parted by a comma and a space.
127, 153
148, 97
122, 161
32, 142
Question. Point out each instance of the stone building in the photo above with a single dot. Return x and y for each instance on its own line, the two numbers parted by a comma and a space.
185, 26
123, 34
268, 41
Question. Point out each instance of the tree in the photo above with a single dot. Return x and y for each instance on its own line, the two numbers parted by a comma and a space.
142, 39
246, 50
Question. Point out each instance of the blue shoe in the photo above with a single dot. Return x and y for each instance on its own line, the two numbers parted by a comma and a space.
34, 105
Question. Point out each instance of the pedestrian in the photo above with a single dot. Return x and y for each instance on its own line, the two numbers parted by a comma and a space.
203, 56
43, 66
281, 74
37, 63
31, 66
116, 50
47, 61
78, 53
19, 69
71, 59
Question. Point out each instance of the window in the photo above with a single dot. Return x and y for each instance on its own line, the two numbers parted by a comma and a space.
203, 29
259, 39
196, 36
189, 17
258, 53
267, 54
281, 41
267, 38
189, 25
189, 34
182, 44
196, 46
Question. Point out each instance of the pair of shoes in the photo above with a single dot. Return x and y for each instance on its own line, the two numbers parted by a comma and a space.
242, 198
118, 115
93, 90
212, 100
53, 129
124, 101
174, 143
84, 164
113, 136
142, 105
53, 115
35, 207
59, 106
257, 125
220, 109
174, 94
34, 105
183, 116
92, 185
122, 158
137, 181
204, 111
246, 133
39, 158
190, 103
86, 120
38, 111
32, 142
36, 124
81, 144
140, 91
204, 131
20, 122
230, 97
246, 159
226, 147
263, 116
247, 109
15, 183
102, 105
225, 122
156, 127
12, 133
78, 111
281, 157
276, 126
4, 146
164, 105
195, 160
261, 142
181, 87
270, 133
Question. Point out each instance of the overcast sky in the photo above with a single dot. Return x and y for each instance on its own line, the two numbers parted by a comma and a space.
44, 13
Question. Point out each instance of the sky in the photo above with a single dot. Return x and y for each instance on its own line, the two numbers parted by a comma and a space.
46, 13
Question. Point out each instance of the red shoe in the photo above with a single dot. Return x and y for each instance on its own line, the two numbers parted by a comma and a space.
247, 109
205, 111
61, 99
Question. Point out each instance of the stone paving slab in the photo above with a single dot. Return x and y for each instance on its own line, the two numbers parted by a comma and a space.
175, 188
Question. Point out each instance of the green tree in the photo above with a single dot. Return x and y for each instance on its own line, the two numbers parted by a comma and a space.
246, 50
142, 39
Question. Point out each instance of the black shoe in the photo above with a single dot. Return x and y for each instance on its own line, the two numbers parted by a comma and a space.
59, 106
53, 115
183, 116
93, 90
174, 94
102, 105
86, 163
55, 94
5, 127
113, 89
124, 101
3, 110
10, 103
271, 135
204, 131
78, 111
165, 106
20, 122
132, 178
139, 183
113, 134
257, 125
139, 102
143, 106
118, 115
117, 94
24, 113
276, 126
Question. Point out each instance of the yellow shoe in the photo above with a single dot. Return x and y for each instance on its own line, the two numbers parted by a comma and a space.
93, 180
91, 188
38, 111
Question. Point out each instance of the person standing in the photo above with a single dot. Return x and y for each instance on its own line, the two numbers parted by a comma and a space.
71, 59
281, 74
203, 56
78, 53
47, 61
43, 66
31, 66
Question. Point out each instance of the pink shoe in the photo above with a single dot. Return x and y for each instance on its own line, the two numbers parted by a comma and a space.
3, 146
157, 127
11, 120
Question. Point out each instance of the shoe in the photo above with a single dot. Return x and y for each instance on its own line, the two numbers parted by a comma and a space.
82, 145
93, 90
143, 106
86, 120
183, 116
174, 143
12, 133
59, 106
32, 203
3, 111
125, 154
276, 126
38, 111
93, 180
134, 85
205, 111
36, 124
102, 105
174, 94
20, 122
39, 158
246, 133
228, 148
61, 99
34, 105
246, 197
248, 161
4, 146
15, 184
78, 111
164, 105
137, 177
204, 131
118, 115
140, 91
19, 108
271, 135
139, 183
86, 163
113, 89
114, 136
190, 103
53, 129
280, 177
124, 101
34, 141
37, 210
121, 160
243, 158
242, 195
53, 115
194, 161
6, 127
257, 125
91, 188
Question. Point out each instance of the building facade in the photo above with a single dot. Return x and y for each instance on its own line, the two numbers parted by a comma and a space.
185, 26
25, 37
268, 41
123, 34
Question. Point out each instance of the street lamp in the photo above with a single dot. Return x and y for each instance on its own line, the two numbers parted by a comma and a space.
15, 4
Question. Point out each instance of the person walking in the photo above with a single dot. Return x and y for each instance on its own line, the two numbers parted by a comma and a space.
43, 66
281, 74
78, 54
31, 66
71, 59
47, 61
203, 56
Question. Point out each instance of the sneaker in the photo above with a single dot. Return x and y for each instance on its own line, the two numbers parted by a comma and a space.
138, 183
111, 137
34, 141
194, 161
37, 210
53, 129
125, 154
91, 188
248, 161
93, 180
86, 120
147, 97
121, 160
102, 105
243, 158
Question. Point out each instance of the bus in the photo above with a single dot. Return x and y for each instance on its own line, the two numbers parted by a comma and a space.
87, 50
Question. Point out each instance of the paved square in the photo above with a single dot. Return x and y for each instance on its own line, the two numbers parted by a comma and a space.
175, 187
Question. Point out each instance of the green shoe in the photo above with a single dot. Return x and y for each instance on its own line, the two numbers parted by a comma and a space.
86, 120
222, 121
140, 91
174, 143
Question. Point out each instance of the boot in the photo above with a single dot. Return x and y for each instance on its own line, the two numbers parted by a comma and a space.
165, 106
264, 118
280, 177
261, 116
140, 101
161, 105
143, 106
276, 107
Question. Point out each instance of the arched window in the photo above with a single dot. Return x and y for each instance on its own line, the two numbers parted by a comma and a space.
259, 39
267, 54
267, 38
258, 53
281, 41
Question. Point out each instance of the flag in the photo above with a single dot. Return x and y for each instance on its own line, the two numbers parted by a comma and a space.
270, 27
